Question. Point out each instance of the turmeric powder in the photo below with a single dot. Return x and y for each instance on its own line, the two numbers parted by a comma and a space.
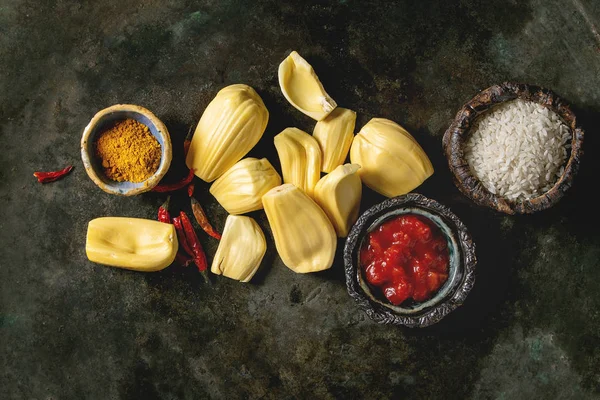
128, 151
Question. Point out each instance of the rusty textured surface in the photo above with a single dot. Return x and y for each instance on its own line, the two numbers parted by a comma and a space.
71, 329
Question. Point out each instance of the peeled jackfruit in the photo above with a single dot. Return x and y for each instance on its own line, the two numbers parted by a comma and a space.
304, 237
303, 89
300, 158
334, 135
241, 249
392, 162
339, 193
131, 243
241, 188
231, 125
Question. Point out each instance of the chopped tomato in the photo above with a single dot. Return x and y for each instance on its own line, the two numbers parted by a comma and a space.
427, 259
398, 292
435, 280
397, 272
406, 257
397, 254
376, 273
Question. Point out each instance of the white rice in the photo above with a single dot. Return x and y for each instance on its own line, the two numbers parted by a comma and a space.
518, 149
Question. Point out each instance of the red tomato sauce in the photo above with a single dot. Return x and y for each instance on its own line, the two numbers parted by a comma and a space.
406, 258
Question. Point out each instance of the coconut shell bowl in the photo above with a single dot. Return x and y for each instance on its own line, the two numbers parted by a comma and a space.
459, 131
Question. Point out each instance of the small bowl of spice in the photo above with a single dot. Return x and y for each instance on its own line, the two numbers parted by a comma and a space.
515, 148
126, 149
409, 261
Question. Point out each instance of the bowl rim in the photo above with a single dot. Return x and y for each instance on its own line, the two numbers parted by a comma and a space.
458, 132
377, 311
166, 150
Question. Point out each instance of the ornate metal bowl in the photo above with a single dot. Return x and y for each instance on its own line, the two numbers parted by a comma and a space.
461, 274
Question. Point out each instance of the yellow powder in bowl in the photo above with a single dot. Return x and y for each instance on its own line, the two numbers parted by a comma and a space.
128, 151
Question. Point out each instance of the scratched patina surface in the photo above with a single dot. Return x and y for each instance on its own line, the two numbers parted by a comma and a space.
74, 330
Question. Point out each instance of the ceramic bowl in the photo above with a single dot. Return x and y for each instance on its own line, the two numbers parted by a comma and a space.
458, 133
461, 272
101, 121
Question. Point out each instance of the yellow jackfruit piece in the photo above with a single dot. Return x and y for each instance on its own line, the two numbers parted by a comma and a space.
300, 158
339, 193
131, 243
304, 237
231, 125
303, 89
241, 249
392, 162
241, 188
335, 134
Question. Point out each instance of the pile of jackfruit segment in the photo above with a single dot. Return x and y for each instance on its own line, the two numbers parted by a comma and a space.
306, 213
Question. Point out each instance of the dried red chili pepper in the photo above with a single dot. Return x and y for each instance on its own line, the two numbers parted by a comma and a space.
182, 259
45, 177
183, 243
187, 142
175, 186
203, 220
194, 242
163, 212
191, 189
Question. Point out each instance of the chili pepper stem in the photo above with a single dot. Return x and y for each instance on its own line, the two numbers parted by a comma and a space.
187, 141
165, 205
206, 277
163, 212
